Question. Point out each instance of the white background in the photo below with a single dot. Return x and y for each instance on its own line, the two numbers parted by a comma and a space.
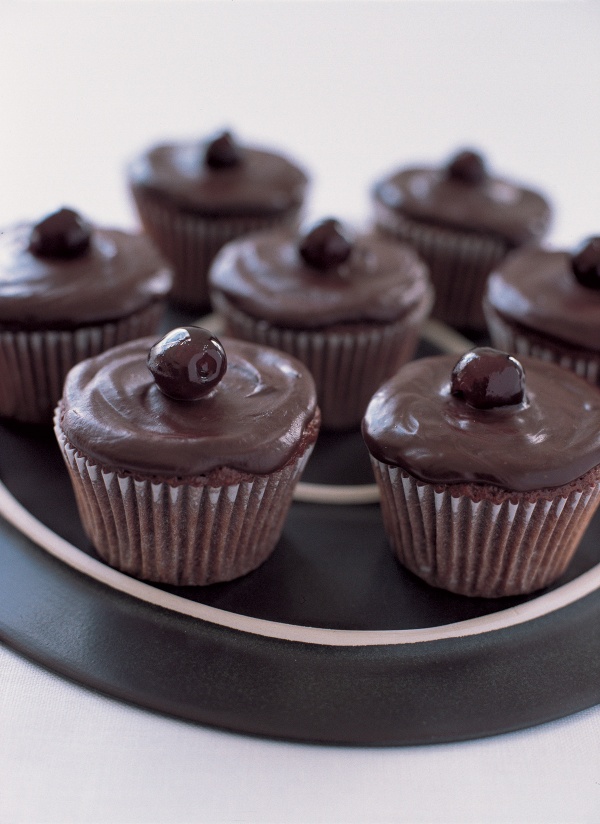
351, 90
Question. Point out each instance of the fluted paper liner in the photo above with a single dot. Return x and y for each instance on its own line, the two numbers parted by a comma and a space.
34, 363
347, 366
459, 264
190, 241
480, 547
181, 533
509, 338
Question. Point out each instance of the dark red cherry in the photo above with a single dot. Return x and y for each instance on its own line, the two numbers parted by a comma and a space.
586, 263
467, 166
326, 245
223, 152
486, 378
63, 234
187, 363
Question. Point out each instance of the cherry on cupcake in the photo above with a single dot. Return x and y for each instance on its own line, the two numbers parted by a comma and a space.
586, 263
223, 152
468, 167
326, 245
486, 378
187, 363
64, 234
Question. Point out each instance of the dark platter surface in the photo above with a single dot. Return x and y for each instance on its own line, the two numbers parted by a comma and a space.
332, 570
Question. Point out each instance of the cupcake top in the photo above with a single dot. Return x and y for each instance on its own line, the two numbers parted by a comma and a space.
63, 272
252, 418
220, 177
463, 195
487, 419
541, 290
324, 276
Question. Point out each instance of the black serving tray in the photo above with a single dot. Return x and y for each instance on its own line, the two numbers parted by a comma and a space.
330, 641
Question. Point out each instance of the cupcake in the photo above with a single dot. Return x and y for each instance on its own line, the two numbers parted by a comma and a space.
547, 304
184, 453
488, 474
193, 197
348, 306
69, 290
462, 221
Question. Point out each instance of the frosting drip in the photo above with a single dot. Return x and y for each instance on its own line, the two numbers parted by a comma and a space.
538, 289
495, 206
253, 421
117, 275
265, 276
551, 439
261, 183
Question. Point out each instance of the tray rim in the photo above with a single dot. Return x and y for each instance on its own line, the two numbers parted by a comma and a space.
448, 690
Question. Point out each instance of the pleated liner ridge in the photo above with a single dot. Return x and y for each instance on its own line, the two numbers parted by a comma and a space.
184, 533
507, 337
479, 547
459, 263
347, 367
191, 241
34, 363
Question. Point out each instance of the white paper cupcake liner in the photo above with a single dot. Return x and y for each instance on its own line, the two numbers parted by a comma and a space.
507, 337
190, 242
481, 547
181, 533
347, 366
34, 363
459, 264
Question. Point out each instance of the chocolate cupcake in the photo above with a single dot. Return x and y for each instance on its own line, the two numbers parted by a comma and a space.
193, 197
546, 303
348, 306
69, 290
487, 479
462, 220
184, 453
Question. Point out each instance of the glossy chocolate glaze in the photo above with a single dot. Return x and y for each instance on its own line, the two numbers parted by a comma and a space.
262, 183
552, 439
538, 289
265, 276
117, 275
494, 206
254, 421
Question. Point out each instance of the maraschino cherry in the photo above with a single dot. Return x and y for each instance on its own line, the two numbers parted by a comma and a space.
326, 245
486, 378
187, 363
586, 263
63, 234
223, 152
468, 167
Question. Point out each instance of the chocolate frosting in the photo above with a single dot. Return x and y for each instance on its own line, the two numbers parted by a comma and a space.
496, 206
265, 276
253, 421
551, 439
117, 275
262, 183
538, 289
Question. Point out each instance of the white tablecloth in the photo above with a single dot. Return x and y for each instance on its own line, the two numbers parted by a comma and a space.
352, 90
70, 755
